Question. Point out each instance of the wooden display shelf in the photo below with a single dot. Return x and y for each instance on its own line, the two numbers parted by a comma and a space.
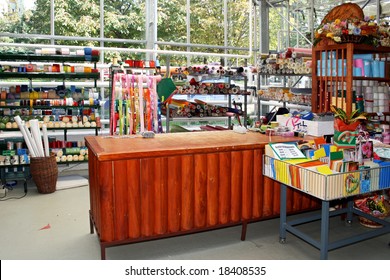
332, 83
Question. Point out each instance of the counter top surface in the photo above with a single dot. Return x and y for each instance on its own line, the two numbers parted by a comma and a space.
135, 146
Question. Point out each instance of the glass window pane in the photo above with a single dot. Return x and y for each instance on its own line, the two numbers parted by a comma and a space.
124, 19
171, 22
38, 17
77, 18
207, 22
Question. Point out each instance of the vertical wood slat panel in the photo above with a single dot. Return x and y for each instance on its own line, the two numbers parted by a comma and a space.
94, 189
212, 186
187, 196
200, 193
236, 186
224, 187
160, 190
134, 198
276, 198
247, 184
257, 183
147, 197
174, 193
106, 195
166, 197
268, 186
120, 200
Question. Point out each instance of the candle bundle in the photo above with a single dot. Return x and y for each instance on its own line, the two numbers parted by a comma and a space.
33, 139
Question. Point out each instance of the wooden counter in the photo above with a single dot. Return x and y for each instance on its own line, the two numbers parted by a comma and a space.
178, 183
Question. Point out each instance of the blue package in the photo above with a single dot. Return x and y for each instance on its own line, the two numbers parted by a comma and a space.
384, 174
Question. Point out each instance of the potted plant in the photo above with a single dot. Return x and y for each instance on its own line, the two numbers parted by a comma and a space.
346, 126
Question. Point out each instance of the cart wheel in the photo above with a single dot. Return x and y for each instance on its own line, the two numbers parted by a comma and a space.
282, 240
348, 223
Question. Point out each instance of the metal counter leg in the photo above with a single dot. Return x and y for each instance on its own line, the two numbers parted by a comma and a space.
283, 213
324, 242
349, 210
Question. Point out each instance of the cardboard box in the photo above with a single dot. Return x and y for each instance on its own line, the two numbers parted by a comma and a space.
313, 128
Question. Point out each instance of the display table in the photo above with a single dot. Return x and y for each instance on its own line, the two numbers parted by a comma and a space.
326, 188
180, 183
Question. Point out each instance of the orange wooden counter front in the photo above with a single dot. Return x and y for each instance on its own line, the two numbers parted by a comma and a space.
180, 183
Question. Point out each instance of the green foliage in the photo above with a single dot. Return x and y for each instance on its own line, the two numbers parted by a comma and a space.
355, 115
125, 19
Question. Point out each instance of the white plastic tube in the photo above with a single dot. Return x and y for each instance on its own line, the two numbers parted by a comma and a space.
21, 126
31, 140
36, 134
45, 140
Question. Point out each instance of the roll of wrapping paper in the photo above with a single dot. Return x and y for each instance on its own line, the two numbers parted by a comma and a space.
112, 107
45, 140
36, 134
154, 99
127, 103
120, 112
141, 103
26, 135
132, 105
299, 52
127, 115
148, 115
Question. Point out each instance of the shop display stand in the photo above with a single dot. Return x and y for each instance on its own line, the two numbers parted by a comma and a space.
280, 102
309, 185
333, 76
26, 59
146, 189
215, 79
131, 114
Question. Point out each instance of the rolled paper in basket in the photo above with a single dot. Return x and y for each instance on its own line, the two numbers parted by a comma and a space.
45, 140
30, 140
25, 136
36, 133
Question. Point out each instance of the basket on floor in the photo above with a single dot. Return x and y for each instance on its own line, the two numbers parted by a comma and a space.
44, 172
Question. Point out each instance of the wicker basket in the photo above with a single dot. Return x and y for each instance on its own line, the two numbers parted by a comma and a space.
370, 224
44, 172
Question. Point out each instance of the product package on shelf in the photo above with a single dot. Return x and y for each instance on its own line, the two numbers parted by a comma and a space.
309, 127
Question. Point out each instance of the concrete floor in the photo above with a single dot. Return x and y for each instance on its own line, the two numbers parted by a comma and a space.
56, 227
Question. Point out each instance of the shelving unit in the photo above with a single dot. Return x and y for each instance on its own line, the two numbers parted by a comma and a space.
29, 58
31, 102
333, 74
303, 103
204, 110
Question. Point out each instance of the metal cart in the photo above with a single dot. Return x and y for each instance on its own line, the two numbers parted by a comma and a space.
339, 186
